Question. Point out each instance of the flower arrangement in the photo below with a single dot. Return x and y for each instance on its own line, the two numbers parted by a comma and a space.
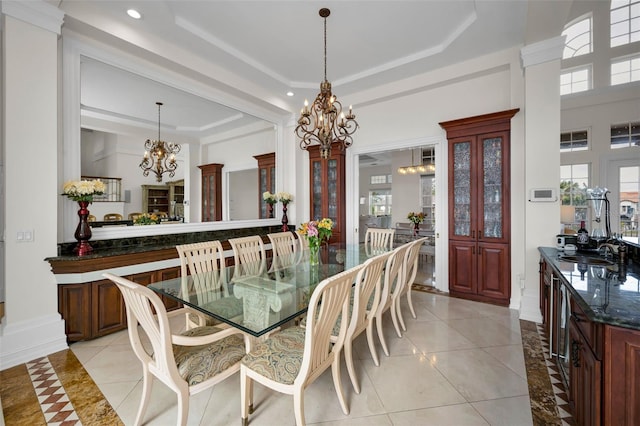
147, 219
316, 232
416, 218
284, 197
269, 197
83, 190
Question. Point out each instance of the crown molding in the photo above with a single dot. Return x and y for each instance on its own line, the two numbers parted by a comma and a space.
37, 13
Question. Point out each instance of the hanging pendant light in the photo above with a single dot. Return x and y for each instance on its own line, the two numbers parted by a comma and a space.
324, 122
159, 156
420, 168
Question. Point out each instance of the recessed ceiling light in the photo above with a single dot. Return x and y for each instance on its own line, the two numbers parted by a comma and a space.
289, 94
134, 14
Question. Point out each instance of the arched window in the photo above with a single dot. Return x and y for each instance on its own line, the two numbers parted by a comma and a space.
578, 38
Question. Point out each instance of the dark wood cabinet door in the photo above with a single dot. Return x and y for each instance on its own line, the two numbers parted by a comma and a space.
585, 380
108, 312
167, 274
266, 180
622, 376
328, 189
211, 192
74, 301
462, 267
494, 271
143, 278
479, 194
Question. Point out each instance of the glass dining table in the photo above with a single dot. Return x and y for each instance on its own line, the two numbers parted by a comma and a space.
260, 303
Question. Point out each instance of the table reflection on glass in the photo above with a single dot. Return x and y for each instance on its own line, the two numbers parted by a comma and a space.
259, 304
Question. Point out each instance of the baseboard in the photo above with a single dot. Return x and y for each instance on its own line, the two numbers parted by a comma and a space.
28, 340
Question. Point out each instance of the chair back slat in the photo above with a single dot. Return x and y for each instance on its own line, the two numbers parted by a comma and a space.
411, 263
145, 308
285, 249
248, 255
202, 257
367, 293
328, 301
378, 239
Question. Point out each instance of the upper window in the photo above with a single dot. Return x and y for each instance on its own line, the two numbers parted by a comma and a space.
380, 179
575, 80
574, 181
380, 202
625, 70
574, 141
578, 39
625, 22
625, 135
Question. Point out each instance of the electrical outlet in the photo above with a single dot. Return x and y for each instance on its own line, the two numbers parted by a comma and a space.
25, 236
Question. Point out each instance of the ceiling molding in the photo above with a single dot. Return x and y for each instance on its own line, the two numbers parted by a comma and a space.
542, 51
37, 13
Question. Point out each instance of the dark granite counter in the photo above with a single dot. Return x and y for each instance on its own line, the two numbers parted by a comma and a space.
136, 245
608, 294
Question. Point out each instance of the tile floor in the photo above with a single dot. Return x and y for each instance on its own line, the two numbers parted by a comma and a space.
459, 363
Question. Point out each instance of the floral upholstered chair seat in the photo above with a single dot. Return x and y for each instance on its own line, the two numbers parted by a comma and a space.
279, 358
198, 363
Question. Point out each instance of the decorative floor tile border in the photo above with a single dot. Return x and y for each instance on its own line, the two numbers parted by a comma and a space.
54, 401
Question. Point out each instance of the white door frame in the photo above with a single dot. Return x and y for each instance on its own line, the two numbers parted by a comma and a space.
611, 171
352, 179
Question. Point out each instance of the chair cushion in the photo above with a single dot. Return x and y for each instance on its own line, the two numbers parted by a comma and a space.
278, 358
199, 363
227, 307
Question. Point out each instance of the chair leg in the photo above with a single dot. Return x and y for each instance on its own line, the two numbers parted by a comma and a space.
298, 406
245, 395
348, 356
183, 407
400, 317
337, 383
410, 301
394, 317
372, 346
147, 382
383, 341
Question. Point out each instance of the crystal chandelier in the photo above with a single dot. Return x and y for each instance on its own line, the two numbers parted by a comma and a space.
324, 122
159, 156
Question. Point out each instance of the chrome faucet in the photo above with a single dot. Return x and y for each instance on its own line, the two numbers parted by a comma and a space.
612, 248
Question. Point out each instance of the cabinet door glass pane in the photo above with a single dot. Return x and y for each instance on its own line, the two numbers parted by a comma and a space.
316, 208
263, 189
211, 211
462, 188
492, 187
332, 189
272, 178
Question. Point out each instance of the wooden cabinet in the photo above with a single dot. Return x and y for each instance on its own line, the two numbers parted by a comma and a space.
97, 308
266, 181
585, 379
545, 288
479, 197
621, 376
211, 192
328, 188
159, 198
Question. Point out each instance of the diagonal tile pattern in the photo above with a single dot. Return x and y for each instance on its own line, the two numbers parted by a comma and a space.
53, 399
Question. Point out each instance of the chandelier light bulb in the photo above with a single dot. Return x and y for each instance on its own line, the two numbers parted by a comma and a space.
156, 153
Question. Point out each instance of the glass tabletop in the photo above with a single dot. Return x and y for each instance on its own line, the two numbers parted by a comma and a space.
259, 303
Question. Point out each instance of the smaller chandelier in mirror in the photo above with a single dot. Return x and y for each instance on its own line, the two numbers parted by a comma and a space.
325, 122
159, 156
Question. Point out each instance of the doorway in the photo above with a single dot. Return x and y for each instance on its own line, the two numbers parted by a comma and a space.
387, 191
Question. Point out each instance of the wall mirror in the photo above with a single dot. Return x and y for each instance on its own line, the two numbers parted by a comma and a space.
110, 110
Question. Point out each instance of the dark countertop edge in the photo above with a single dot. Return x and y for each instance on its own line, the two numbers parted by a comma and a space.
551, 255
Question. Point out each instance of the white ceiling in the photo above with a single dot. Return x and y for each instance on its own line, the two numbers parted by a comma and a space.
259, 50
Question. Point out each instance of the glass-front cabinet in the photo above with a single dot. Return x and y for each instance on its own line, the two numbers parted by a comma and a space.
211, 192
479, 224
266, 181
328, 189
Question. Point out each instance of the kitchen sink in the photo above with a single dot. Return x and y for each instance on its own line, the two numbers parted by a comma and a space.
591, 260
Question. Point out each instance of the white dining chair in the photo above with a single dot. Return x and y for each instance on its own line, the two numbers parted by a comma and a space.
392, 282
364, 305
188, 363
200, 258
378, 239
291, 359
285, 249
248, 255
410, 266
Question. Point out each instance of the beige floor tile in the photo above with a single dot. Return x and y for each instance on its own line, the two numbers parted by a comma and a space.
512, 356
485, 331
478, 376
506, 412
382, 420
458, 415
115, 363
436, 336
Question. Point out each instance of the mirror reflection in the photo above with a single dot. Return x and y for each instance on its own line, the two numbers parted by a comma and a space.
119, 113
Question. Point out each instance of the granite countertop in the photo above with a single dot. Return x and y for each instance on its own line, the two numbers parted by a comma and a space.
607, 294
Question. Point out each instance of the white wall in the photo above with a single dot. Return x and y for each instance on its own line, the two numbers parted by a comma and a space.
30, 86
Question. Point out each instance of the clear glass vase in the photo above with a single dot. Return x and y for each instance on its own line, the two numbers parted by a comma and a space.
314, 258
